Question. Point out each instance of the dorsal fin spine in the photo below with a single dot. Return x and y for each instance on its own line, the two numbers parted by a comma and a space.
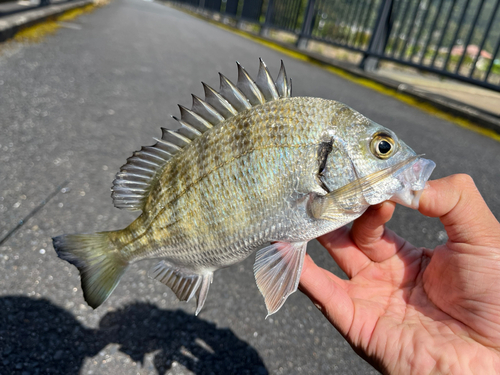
134, 181
206, 111
149, 172
138, 159
169, 147
126, 182
128, 188
157, 151
194, 119
265, 83
141, 157
151, 155
248, 87
186, 129
175, 138
282, 82
126, 173
218, 102
233, 95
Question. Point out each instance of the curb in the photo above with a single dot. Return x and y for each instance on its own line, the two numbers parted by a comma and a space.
10, 25
479, 117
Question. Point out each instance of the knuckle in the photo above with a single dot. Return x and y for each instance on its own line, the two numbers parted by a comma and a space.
463, 180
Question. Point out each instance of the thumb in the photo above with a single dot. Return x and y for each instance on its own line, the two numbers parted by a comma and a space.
462, 210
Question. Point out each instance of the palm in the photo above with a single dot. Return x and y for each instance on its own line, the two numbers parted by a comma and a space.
413, 310
393, 311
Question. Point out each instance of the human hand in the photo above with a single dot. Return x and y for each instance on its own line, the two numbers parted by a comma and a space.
410, 310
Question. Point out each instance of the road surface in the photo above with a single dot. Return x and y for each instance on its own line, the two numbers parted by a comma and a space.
74, 107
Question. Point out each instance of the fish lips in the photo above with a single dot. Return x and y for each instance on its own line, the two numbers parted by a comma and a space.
413, 180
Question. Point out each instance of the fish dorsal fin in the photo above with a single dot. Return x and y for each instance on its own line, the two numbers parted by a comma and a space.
136, 178
248, 87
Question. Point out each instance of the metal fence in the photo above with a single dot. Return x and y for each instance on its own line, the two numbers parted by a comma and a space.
454, 38
8, 8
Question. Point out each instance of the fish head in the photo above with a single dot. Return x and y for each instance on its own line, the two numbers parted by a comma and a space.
378, 165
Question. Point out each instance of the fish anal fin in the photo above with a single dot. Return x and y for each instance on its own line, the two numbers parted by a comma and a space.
184, 283
277, 270
202, 292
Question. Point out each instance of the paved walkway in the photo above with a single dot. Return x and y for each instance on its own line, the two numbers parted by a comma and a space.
484, 99
74, 107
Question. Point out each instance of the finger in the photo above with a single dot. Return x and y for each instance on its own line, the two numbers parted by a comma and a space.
344, 251
328, 294
370, 235
366, 242
461, 209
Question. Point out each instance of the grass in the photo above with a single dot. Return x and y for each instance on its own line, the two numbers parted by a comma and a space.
35, 33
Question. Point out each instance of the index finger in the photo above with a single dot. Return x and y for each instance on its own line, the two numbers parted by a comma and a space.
461, 209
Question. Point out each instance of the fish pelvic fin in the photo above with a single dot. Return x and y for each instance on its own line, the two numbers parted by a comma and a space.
138, 177
98, 261
184, 283
277, 270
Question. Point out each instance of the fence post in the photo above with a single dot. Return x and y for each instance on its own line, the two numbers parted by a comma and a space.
307, 26
379, 37
264, 30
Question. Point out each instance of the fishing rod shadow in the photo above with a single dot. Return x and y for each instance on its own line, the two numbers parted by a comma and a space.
39, 337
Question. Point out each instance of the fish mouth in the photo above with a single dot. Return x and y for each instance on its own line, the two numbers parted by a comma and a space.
413, 179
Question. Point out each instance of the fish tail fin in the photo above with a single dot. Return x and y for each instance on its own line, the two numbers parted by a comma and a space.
98, 261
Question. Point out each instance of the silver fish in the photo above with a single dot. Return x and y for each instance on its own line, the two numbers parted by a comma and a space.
248, 166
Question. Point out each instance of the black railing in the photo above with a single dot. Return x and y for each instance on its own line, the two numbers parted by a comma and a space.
453, 38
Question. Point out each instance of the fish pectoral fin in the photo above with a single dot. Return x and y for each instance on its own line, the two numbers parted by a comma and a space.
277, 271
325, 207
350, 198
184, 283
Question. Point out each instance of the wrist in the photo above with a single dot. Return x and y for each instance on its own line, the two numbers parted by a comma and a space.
460, 358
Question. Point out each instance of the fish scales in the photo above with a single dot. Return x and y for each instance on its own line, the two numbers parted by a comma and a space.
281, 170
200, 191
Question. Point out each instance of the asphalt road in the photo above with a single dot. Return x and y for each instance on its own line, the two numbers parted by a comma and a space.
74, 107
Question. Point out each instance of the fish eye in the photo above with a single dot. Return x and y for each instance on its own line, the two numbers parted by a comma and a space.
382, 145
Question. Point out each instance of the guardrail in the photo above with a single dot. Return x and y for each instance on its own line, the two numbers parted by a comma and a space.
8, 8
453, 38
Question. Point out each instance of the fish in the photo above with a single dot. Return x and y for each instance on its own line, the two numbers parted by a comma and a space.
249, 169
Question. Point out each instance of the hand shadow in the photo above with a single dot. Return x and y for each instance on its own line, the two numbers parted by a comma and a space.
37, 337
177, 336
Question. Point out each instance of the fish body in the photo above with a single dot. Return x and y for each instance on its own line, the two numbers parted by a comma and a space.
249, 166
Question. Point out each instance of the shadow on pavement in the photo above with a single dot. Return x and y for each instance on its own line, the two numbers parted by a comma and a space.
37, 337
